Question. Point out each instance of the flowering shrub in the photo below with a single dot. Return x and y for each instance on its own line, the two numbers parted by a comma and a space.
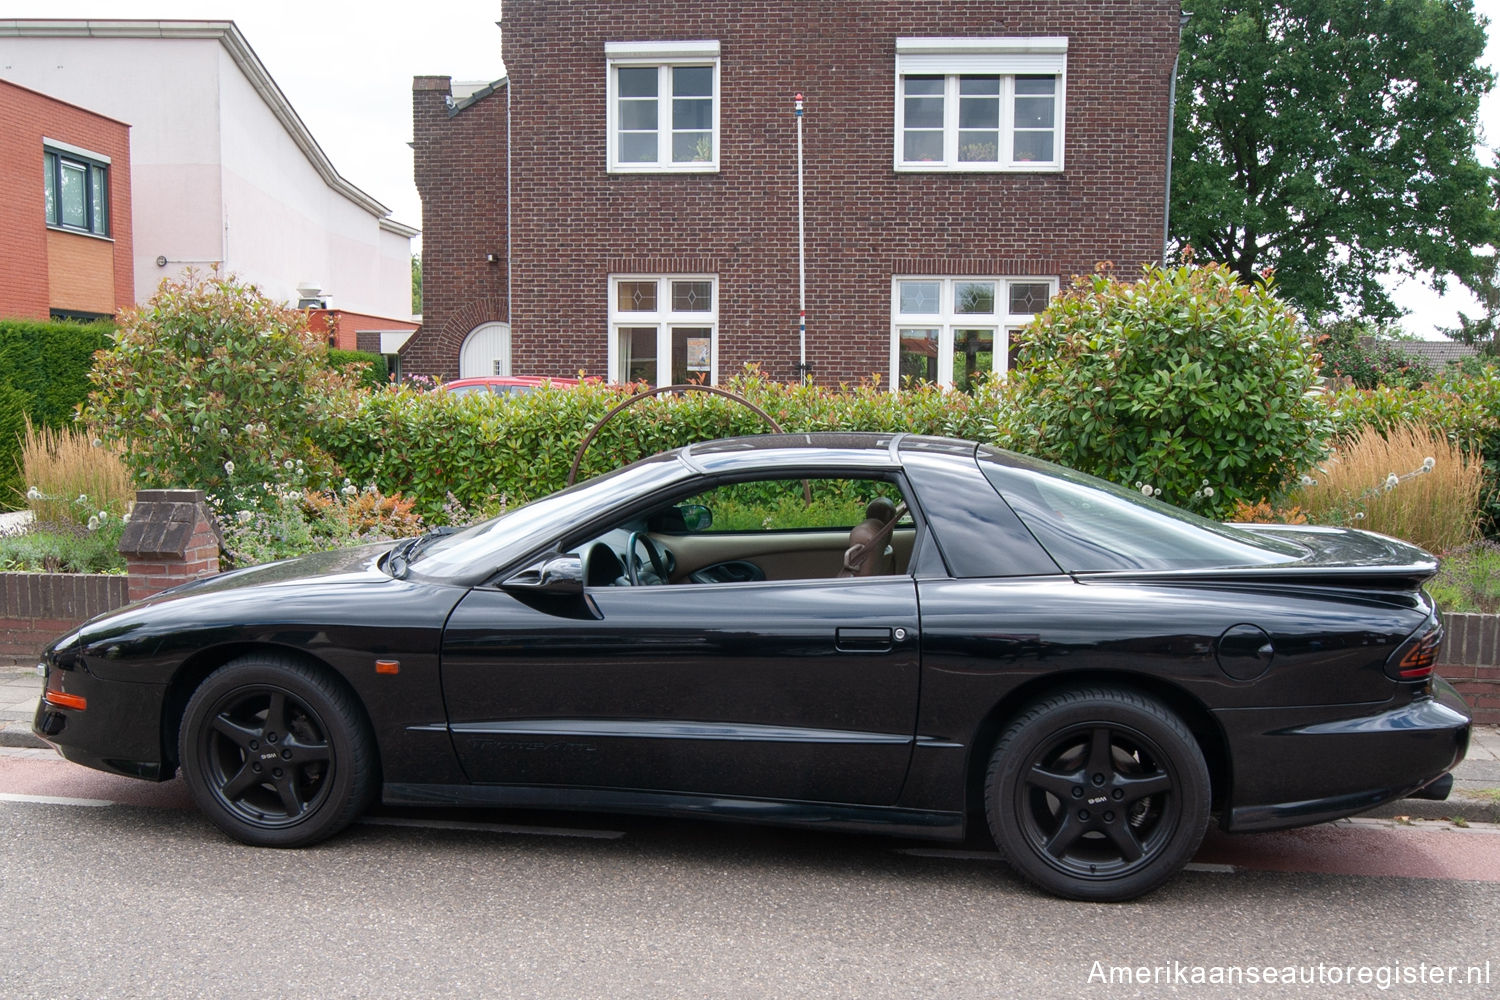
285, 517
211, 372
82, 535
1182, 376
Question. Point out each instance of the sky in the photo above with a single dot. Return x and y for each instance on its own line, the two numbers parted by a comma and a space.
346, 67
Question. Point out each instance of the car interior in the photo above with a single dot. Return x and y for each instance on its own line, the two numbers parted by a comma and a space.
783, 529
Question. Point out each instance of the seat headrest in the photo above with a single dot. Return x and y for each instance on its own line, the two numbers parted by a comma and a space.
880, 509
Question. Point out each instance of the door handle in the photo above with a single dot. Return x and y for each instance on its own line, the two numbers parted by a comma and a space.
859, 639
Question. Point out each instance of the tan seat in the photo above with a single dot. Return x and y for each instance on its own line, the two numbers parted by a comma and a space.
870, 540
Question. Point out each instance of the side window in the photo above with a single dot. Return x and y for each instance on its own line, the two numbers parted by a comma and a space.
765, 530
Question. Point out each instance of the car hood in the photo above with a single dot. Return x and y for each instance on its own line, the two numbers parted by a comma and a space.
354, 566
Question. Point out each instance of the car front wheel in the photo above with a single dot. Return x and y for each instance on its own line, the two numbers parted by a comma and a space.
1098, 794
276, 752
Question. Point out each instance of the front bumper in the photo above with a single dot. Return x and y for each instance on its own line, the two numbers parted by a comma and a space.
1300, 766
119, 731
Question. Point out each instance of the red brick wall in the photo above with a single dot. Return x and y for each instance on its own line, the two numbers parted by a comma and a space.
347, 326
25, 117
574, 223
459, 163
36, 608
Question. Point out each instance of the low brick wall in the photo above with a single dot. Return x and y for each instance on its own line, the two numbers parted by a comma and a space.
36, 608
1470, 659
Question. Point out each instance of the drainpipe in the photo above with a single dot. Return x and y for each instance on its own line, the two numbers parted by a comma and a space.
1166, 215
509, 237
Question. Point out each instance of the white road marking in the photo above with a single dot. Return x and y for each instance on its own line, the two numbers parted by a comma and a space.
456, 824
53, 800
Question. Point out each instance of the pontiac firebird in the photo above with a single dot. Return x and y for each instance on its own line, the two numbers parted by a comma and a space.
854, 631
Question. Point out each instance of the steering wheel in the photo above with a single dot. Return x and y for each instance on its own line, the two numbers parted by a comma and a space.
633, 565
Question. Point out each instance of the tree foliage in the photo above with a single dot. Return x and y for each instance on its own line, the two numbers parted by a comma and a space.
416, 284
1334, 141
1482, 331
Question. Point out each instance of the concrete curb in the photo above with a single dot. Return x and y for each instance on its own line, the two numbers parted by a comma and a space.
18, 734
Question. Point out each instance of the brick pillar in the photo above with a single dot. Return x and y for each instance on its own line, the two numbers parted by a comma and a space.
171, 539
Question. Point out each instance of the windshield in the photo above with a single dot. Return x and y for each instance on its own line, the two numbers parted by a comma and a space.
1090, 526
477, 551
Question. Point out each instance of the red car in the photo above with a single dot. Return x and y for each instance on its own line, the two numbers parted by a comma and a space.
506, 385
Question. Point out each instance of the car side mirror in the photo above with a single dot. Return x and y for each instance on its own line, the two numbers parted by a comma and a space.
695, 516
558, 575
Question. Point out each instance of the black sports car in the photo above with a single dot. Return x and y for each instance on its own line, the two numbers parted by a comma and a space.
858, 631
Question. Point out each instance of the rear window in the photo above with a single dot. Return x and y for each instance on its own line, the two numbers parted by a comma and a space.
1090, 526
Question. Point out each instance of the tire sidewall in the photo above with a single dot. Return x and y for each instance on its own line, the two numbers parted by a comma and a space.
1042, 724
342, 798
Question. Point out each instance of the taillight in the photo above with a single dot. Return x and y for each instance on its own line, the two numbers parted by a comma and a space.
1415, 658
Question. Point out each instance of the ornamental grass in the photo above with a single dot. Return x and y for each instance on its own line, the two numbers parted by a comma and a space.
1410, 483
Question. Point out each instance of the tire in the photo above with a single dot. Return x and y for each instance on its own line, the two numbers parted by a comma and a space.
1099, 794
276, 752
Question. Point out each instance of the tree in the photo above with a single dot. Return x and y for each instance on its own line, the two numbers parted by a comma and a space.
416, 284
1333, 141
1481, 331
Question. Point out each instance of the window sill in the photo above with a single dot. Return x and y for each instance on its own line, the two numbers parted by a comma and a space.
938, 168
79, 232
666, 171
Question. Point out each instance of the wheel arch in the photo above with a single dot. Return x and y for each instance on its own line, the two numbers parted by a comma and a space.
1206, 730
197, 668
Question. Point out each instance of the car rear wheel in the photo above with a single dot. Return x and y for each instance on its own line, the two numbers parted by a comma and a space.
276, 752
1097, 794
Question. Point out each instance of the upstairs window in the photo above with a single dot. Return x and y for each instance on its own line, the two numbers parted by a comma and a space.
663, 106
75, 188
980, 104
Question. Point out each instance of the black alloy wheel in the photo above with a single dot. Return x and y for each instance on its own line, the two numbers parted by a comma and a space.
276, 752
1097, 794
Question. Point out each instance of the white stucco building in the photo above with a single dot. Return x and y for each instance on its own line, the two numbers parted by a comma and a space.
223, 170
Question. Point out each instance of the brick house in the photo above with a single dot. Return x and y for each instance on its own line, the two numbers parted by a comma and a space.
65, 174
625, 201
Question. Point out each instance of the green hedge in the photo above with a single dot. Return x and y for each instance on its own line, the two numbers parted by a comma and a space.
50, 363
480, 449
375, 375
44, 375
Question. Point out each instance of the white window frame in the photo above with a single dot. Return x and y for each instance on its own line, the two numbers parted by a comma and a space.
1006, 58
666, 320
664, 56
947, 320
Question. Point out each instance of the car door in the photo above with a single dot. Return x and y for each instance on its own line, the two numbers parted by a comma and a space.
801, 689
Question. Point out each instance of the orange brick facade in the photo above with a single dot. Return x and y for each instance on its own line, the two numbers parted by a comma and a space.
42, 269
342, 328
569, 223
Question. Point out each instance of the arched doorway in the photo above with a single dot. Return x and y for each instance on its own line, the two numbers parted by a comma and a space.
486, 351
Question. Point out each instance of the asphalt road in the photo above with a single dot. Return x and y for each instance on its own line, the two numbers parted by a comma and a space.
119, 889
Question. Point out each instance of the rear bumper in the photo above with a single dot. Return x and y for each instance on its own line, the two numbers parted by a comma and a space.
1299, 767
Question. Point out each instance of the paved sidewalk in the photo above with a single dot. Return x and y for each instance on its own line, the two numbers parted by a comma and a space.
1476, 781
